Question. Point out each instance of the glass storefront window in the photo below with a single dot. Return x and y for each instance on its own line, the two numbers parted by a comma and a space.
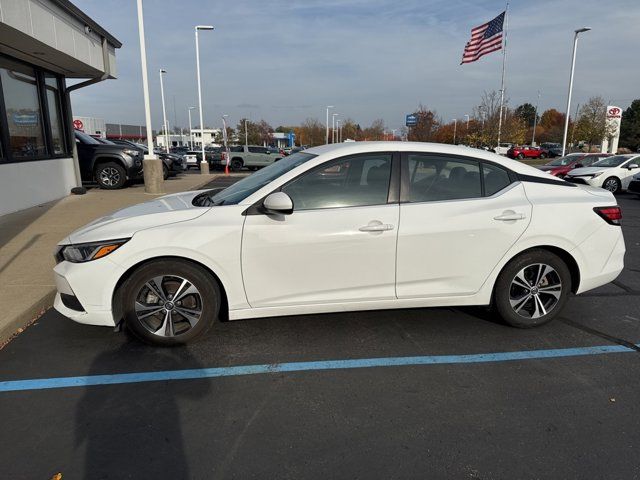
24, 115
55, 114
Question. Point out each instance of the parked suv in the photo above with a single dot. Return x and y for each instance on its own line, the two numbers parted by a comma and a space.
172, 164
111, 166
527, 152
250, 156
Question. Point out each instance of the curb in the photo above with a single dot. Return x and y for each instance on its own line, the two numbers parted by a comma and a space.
16, 325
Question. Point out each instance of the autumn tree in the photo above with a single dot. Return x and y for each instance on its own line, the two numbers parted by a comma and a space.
310, 132
254, 134
551, 126
630, 127
592, 126
375, 131
427, 126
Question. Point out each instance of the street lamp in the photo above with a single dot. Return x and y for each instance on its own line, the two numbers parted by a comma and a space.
204, 166
455, 129
338, 130
573, 66
190, 134
326, 137
333, 127
152, 165
224, 141
164, 112
535, 122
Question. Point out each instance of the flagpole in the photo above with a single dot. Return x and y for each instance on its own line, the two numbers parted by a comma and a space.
504, 61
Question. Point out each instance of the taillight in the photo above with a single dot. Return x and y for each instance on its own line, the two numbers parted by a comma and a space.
611, 215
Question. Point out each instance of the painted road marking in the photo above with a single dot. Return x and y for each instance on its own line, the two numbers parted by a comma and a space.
120, 378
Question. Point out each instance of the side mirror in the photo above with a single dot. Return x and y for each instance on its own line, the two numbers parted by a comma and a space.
632, 166
278, 202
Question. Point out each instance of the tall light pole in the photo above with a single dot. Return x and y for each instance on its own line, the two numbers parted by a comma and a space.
152, 165
338, 130
164, 112
326, 137
535, 122
246, 133
573, 66
455, 129
204, 165
190, 134
224, 140
333, 127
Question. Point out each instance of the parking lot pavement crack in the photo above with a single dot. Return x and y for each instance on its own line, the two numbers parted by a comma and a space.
598, 333
624, 287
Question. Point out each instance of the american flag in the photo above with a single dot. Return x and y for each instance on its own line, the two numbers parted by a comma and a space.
485, 38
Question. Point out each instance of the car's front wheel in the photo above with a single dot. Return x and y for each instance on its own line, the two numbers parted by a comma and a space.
111, 175
542, 155
170, 302
520, 156
612, 184
532, 289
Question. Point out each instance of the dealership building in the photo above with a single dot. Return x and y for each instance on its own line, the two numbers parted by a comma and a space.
42, 44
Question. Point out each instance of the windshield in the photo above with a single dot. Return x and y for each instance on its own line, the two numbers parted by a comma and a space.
566, 160
614, 161
239, 191
88, 139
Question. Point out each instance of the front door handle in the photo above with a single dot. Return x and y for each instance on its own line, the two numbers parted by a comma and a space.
376, 226
509, 215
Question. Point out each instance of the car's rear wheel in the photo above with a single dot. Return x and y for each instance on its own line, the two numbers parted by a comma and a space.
111, 175
165, 171
236, 164
170, 302
520, 156
532, 289
612, 184
542, 155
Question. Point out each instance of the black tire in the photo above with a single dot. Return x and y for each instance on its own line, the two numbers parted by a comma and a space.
172, 271
110, 175
507, 290
612, 184
542, 155
236, 164
520, 156
165, 171
252, 169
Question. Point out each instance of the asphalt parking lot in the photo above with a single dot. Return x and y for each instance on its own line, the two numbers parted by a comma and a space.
424, 393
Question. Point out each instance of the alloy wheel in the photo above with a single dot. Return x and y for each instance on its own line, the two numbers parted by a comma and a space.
611, 184
168, 305
109, 176
535, 290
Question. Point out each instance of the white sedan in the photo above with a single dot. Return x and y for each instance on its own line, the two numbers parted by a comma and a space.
611, 173
354, 226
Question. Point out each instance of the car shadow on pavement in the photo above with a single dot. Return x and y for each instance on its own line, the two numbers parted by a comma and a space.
123, 433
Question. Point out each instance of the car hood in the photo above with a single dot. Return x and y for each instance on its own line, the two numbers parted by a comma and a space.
124, 223
586, 171
546, 168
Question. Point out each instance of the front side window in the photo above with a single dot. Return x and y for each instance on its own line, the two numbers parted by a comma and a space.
614, 161
24, 115
436, 177
258, 150
347, 182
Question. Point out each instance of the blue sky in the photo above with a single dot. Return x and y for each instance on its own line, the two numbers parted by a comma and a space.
285, 61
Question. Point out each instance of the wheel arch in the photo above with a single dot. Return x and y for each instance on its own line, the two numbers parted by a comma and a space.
564, 255
117, 291
106, 159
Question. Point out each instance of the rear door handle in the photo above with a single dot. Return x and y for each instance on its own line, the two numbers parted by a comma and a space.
509, 215
376, 226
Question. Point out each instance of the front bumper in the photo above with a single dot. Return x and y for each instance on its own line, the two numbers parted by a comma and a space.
85, 291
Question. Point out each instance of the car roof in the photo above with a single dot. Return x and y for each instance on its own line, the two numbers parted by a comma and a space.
351, 148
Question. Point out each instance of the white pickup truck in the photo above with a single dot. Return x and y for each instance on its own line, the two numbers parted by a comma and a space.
251, 156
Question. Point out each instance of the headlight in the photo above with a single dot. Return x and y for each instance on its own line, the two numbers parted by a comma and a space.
597, 174
85, 252
133, 153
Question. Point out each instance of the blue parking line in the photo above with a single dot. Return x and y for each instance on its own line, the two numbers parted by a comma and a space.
121, 378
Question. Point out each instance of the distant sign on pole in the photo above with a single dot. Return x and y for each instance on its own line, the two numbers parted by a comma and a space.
411, 120
78, 125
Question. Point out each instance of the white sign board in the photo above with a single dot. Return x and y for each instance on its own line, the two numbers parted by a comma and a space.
614, 118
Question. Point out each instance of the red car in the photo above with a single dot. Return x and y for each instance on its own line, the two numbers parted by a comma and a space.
559, 167
527, 152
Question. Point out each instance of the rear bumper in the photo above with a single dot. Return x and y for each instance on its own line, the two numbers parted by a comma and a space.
600, 257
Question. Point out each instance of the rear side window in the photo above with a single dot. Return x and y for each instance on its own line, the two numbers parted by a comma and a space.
495, 178
436, 177
257, 150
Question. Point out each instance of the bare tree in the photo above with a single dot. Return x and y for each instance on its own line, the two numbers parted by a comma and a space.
592, 126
